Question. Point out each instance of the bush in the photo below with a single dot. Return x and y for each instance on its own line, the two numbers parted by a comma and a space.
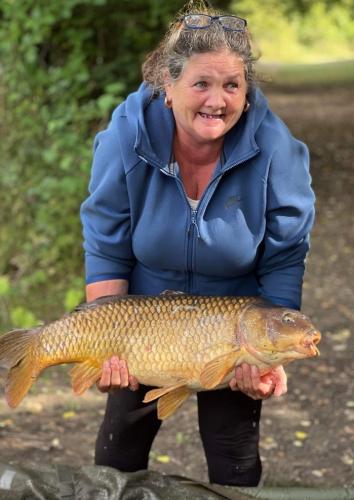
64, 66
300, 31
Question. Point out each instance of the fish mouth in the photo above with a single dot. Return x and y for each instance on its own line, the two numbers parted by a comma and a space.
309, 343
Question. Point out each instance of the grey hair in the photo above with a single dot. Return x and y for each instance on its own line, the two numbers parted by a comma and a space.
180, 43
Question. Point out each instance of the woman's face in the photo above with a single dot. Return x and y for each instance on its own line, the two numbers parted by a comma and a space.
209, 96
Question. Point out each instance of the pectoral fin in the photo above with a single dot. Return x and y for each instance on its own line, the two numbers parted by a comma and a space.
216, 370
84, 374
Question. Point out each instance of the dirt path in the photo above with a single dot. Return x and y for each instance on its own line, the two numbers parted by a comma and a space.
307, 436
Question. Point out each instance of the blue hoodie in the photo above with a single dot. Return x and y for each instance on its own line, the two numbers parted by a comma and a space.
249, 234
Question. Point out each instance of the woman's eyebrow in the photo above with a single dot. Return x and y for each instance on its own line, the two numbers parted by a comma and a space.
231, 76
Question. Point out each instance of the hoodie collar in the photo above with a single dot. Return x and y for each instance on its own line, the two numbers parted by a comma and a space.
155, 128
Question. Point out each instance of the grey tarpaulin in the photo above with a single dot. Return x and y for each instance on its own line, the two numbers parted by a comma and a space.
52, 482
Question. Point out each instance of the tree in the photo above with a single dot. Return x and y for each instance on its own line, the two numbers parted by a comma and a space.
64, 66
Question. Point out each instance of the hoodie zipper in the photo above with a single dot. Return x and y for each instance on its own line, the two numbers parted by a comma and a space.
193, 233
194, 222
192, 230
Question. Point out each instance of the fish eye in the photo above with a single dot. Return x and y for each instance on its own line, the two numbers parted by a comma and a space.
288, 319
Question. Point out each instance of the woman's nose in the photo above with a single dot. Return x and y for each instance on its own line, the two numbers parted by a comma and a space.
215, 99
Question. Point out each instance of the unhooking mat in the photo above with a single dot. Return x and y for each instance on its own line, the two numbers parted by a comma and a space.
52, 482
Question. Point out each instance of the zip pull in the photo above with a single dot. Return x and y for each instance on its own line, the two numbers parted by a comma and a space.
194, 221
143, 159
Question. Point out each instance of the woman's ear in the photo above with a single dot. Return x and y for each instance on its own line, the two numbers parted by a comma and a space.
167, 82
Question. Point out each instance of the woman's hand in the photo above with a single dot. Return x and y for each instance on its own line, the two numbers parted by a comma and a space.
115, 375
248, 380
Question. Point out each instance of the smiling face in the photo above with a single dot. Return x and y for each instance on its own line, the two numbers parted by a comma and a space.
209, 96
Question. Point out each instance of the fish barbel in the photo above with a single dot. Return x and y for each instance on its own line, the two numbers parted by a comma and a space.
179, 343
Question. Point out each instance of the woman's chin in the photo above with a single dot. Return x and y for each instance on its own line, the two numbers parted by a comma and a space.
210, 133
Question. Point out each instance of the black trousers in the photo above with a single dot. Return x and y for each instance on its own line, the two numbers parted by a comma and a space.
228, 424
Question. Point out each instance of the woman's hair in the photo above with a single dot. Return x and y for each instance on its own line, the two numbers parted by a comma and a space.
180, 43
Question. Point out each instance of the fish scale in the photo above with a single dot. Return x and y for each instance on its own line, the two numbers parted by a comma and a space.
153, 346
178, 343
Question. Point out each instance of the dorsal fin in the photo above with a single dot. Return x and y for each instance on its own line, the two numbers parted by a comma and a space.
106, 299
109, 299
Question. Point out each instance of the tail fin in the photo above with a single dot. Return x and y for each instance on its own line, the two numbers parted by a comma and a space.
16, 355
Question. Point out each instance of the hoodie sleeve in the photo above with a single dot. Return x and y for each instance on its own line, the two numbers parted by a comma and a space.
289, 219
105, 214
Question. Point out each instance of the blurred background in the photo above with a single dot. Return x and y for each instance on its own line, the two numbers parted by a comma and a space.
64, 66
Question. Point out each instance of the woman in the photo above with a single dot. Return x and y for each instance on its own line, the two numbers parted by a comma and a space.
197, 186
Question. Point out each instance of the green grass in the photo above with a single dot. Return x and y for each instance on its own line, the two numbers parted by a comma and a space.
297, 75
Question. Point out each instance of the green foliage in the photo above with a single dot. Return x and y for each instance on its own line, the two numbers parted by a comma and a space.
22, 318
4, 286
333, 32
300, 30
64, 66
73, 297
13, 316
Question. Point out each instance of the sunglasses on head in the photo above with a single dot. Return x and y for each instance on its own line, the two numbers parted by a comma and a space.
201, 21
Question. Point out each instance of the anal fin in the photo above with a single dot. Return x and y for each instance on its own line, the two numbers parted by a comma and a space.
84, 374
216, 370
169, 403
171, 398
161, 391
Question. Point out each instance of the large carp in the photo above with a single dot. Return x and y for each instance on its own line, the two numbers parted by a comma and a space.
179, 343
